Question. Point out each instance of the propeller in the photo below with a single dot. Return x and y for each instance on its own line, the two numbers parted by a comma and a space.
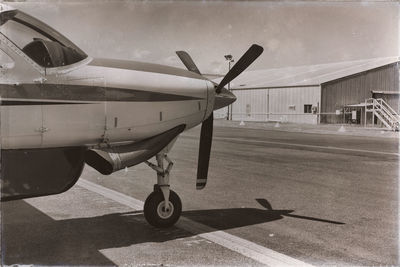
207, 126
188, 61
204, 151
251, 54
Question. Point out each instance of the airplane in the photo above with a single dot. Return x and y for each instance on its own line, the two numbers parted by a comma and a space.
61, 109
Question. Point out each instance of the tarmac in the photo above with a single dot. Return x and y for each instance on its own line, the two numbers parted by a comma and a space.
293, 195
339, 129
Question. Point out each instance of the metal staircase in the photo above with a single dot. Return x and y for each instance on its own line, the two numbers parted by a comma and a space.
385, 113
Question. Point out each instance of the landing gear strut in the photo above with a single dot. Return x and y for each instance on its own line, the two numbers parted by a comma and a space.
163, 206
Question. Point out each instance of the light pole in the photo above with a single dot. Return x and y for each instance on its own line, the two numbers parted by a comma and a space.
230, 60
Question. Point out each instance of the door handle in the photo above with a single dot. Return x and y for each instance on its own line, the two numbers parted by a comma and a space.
42, 129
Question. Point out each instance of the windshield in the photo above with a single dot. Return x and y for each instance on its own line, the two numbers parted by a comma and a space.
40, 42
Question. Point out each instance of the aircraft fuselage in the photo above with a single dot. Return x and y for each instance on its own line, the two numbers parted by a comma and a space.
61, 109
100, 101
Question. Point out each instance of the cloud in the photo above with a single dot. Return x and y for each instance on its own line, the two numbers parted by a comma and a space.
171, 60
272, 44
218, 67
139, 53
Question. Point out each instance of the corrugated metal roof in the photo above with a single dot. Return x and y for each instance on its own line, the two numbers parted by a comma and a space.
306, 75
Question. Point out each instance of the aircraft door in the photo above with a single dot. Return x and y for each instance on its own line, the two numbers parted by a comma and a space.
20, 118
78, 115
20, 124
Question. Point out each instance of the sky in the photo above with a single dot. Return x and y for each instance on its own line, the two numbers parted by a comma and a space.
293, 33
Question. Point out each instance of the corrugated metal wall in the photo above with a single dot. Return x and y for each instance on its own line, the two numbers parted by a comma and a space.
355, 89
221, 113
251, 105
276, 104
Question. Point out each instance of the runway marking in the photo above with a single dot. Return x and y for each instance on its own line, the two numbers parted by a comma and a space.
302, 145
111, 194
234, 243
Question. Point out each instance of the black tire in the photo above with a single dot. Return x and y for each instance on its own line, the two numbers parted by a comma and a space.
153, 209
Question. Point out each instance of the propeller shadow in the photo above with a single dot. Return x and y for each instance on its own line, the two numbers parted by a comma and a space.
263, 202
224, 219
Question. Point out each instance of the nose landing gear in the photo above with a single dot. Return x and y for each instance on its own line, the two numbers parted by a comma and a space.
158, 214
163, 206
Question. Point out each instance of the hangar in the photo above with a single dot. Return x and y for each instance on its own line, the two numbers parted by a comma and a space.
341, 92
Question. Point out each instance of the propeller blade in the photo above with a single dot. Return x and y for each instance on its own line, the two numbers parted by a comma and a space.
188, 61
252, 54
204, 152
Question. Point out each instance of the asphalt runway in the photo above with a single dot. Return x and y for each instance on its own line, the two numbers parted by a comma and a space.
273, 198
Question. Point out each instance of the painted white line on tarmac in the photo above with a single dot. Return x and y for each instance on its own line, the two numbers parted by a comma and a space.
234, 243
111, 194
309, 146
239, 245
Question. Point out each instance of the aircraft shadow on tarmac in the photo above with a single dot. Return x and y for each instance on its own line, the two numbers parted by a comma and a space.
31, 237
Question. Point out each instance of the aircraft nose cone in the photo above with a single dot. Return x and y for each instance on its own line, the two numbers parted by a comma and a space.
224, 99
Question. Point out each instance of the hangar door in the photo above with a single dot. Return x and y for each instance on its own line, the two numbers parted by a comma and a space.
288, 104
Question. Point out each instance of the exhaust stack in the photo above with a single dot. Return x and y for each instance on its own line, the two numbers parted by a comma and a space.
109, 160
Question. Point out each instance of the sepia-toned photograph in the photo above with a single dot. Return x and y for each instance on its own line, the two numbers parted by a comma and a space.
199, 133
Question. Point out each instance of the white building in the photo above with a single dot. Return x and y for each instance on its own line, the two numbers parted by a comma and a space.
299, 94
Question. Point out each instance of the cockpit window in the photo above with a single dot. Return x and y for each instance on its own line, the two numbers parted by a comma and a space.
19, 34
41, 43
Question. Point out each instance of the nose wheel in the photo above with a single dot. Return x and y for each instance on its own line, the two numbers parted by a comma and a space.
160, 214
163, 206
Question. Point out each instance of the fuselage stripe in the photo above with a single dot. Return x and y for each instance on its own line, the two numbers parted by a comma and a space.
66, 92
5, 102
